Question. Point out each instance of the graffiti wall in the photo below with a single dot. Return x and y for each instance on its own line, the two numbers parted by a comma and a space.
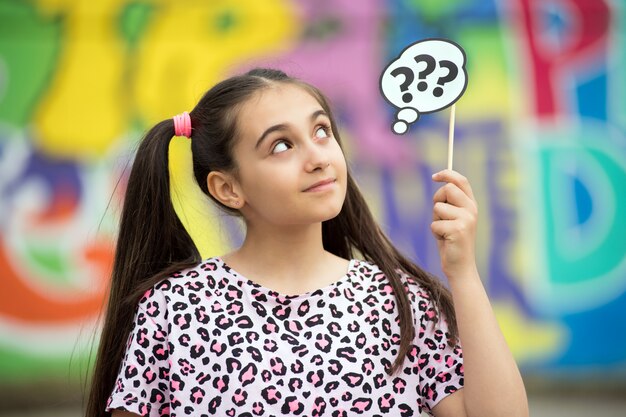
540, 133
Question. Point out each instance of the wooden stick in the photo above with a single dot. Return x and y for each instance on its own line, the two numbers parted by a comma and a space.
451, 136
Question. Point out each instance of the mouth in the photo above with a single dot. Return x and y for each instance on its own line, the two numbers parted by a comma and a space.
321, 185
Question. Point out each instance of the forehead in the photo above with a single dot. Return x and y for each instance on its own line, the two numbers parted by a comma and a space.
277, 104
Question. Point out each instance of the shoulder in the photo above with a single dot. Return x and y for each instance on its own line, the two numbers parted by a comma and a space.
187, 283
417, 292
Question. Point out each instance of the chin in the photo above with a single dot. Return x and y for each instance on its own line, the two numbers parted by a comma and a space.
331, 214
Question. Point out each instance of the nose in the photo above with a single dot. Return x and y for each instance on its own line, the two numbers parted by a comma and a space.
317, 157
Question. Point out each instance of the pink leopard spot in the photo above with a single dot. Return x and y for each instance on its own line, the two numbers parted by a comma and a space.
294, 405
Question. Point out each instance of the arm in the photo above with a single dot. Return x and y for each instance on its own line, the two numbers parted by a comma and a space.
493, 384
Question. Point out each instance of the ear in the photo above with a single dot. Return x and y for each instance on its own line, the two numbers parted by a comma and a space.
225, 189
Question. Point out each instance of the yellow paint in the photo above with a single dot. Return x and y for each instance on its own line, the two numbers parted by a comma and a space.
529, 340
488, 91
181, 57
193, 207
184, 52
84, 108
98, 87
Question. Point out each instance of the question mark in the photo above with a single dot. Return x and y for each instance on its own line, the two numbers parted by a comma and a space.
408, 79
453, 71
430, 67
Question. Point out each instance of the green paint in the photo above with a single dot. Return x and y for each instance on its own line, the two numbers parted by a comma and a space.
434, 10
484, 49
225, 21
597, 249
49, 259
323, 29
134, 20
18, 367
29, 47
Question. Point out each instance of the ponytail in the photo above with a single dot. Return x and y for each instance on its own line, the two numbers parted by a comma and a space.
152, 243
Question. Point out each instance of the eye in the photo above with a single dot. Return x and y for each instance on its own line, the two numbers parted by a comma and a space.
322, 132
280, 146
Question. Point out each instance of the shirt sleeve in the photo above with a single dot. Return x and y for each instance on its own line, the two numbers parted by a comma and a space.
142, 382
440, 365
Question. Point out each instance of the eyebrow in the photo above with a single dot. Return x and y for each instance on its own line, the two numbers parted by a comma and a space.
283, 126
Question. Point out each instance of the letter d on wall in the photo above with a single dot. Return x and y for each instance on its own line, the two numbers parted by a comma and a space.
583, 188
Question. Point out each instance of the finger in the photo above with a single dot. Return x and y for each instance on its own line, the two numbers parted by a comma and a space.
454, 177
445, 211
442, 229
451, 194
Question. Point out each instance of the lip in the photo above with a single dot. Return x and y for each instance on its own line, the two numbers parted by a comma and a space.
321, 185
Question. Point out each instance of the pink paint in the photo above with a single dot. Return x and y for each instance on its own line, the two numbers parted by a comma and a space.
552, 66
347, 67
220, 384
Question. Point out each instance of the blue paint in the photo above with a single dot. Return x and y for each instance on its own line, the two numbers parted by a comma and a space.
592, 96
584, 204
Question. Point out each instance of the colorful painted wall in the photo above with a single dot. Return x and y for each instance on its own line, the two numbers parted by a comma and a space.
540, 133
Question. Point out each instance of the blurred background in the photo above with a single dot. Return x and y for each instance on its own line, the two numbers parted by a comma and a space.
540, 133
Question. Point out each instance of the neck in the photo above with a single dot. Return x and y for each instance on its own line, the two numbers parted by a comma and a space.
283, 249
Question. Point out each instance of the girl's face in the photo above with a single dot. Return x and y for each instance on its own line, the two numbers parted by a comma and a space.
285, 147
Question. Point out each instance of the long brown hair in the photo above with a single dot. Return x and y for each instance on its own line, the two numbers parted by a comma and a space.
153, 243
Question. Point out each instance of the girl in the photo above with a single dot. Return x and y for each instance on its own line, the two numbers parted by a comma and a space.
290, 323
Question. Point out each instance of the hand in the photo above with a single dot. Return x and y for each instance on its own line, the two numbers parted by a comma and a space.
455, 214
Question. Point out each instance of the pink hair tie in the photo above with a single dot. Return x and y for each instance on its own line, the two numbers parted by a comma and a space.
182, 125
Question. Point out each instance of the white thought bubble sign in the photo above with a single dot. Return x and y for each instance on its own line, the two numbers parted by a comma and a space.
428, 76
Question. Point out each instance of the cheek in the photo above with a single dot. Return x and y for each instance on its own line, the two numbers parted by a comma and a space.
262, 182
340, 161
